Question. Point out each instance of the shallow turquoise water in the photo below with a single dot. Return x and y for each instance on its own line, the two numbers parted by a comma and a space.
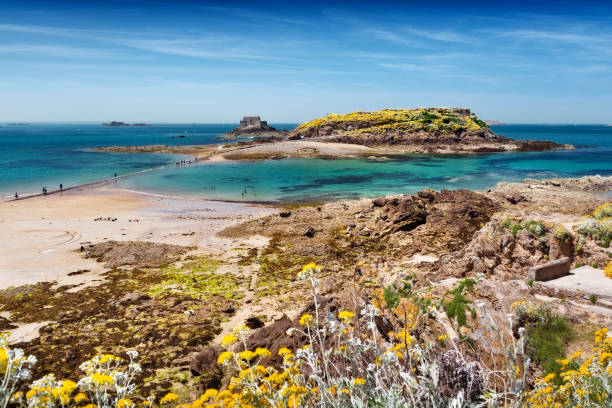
297, 180
51, 153
43, 154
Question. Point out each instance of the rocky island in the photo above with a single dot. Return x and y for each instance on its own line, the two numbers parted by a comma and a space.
422, 130
119, 124
378, 133
254, 127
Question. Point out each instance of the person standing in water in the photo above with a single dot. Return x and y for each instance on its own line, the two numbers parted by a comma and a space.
61, 187
16, 196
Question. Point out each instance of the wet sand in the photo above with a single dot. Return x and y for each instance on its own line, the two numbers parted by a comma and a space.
41, 236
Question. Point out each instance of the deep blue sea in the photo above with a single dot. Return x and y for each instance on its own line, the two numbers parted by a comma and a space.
48, 154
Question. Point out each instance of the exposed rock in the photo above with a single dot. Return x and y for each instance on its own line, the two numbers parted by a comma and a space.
254, 322
310, 232
130, 299
136, 253
400, 214
513, 199
587, 183
204, 367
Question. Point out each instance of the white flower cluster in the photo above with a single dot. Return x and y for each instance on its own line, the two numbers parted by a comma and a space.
15, 367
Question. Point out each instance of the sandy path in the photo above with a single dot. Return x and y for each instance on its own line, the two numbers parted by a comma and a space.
41, 236
291, 147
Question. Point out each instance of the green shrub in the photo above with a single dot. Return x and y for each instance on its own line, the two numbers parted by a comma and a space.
516, 228
457, 307
547, 334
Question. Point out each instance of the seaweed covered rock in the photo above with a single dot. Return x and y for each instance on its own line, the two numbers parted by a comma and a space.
135, 253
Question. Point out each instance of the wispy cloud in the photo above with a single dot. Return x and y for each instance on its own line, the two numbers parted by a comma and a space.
443, 36
255, 15
440, 72
556, 36
415, 36
59, 51
393, 37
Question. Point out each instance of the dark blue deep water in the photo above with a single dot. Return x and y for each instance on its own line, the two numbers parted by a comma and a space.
36, 155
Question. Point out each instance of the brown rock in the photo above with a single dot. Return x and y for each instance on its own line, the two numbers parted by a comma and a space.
204, 365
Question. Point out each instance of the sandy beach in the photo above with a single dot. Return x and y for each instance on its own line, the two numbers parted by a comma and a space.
42, 236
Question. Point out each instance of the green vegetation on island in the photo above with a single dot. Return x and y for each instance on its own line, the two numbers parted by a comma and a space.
413, 120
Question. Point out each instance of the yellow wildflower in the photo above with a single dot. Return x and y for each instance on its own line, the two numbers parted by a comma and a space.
101, 379
306, 320
168, 398
125, 403
359, 381
247, 355
229, 340
223, 357
262, 352
346, 315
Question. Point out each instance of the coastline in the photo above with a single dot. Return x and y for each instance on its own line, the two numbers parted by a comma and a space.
258, 150
46, 232
192, 267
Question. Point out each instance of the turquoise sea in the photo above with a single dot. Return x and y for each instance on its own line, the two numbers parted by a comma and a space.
48, 154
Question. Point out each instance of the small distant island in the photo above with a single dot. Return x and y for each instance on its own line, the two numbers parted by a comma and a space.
253, 126
494, 123
118, 124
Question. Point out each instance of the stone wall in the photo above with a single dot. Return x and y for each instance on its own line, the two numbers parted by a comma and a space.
550, 270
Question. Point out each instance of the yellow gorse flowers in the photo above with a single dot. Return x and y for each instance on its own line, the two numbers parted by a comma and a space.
385, 120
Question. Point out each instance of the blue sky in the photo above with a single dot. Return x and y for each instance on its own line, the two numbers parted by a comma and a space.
187, 61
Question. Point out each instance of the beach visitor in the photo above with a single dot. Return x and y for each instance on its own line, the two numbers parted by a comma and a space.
16, 195
61, 187
44, 190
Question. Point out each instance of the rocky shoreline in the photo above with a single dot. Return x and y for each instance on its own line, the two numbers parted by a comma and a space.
432, 240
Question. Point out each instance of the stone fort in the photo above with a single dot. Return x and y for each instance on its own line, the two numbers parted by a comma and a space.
252, 121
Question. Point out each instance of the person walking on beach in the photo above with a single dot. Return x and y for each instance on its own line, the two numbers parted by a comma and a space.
16, 196
61, 187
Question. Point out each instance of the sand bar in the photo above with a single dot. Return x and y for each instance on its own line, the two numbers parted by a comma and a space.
41, 237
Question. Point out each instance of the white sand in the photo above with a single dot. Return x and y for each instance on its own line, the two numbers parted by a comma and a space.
41, 236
